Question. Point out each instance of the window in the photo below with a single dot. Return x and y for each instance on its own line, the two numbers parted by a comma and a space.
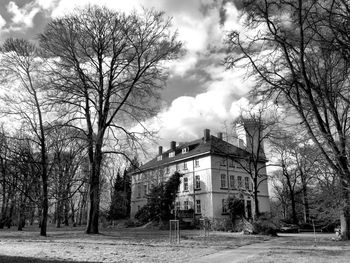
198, 182
159, 158
223, 181
232, 181
185, 166
171, 154
139, 191
145, 189
239, 181
185, 184
177, 167
246, 183
196, 163
167, 169
224, 206
198, 206
185, 150
231, 163
177, 205
186, 205
223, 162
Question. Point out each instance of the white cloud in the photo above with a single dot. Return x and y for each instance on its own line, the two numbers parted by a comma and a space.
187, 116
46, 4
201, 34
22, 16
2, 22
66, 6
232, 18
196, 30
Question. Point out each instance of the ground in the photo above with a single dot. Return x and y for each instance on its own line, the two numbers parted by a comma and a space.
149, 245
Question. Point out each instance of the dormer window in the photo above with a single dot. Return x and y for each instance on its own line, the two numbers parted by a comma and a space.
159, 158
171, 154
185, 150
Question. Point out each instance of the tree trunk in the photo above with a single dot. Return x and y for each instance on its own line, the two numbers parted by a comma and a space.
305, 202
58, 212
294, 212
345, 213
82, 206
45, 206
93, 205
66, 205
256, 198
94, 189
73, 212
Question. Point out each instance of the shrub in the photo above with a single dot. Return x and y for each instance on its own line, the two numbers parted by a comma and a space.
221, 224
264, 225
160, 201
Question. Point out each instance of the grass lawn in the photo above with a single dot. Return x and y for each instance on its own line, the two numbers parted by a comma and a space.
147, 245
114, 245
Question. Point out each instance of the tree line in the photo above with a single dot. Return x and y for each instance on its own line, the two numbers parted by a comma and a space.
298, 52
94, 74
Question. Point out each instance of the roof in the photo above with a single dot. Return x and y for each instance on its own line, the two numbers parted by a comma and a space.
213, 145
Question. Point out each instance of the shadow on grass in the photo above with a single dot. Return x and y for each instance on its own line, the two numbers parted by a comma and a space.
9, 259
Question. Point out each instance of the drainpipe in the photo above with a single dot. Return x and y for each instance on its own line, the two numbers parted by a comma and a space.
194, 192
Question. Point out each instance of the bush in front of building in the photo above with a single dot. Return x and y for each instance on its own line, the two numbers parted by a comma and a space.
221, 224
160, 201
235, 208
265, 225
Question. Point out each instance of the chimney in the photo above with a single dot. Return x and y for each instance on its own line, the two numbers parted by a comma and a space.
220, 135
172, 145
206, 135
160, 150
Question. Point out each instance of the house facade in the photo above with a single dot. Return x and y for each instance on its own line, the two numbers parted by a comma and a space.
212, 171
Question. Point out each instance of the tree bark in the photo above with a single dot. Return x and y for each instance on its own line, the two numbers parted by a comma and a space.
256, 198
345, 213
305, 200
94, 192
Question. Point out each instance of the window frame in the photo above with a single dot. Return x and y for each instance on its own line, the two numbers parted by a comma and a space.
223, 162
239, 181
197, 182
198, 205
196, 163
246, 183
232, 181
185, 166
186, 205
223, 181
185, 182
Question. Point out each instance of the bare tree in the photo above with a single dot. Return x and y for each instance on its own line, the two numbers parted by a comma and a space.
21, 76
67, 151
107, 69
259, 125
297, 50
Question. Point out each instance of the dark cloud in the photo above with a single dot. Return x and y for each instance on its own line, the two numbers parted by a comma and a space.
31, 33
196, 80
183, 86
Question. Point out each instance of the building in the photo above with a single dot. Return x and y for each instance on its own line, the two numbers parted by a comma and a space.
212, 171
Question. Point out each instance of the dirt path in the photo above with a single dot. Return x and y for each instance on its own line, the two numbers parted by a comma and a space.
303, 247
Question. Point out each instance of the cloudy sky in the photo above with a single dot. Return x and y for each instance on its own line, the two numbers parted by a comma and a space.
200, 93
